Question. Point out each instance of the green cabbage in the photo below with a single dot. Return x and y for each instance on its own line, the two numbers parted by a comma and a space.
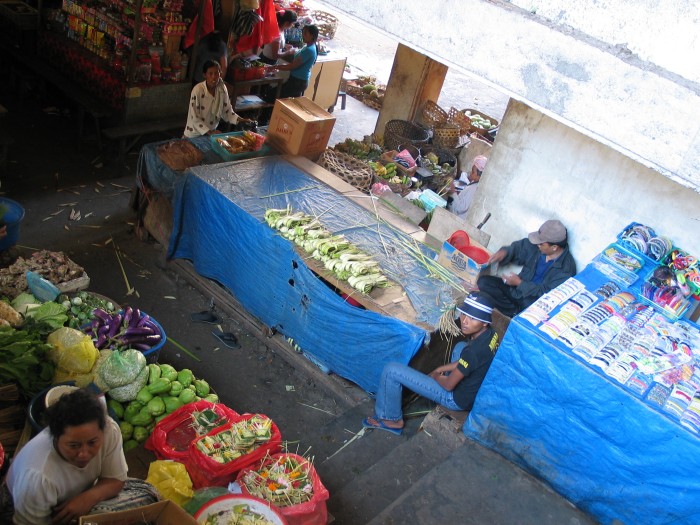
53, 314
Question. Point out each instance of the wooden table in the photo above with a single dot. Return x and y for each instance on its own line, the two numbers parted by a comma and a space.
245, 87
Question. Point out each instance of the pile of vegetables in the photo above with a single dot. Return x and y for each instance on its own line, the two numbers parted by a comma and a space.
365, 149
388, 172
479, 122
80, 307
337, 254
128, 329
149, 395
432, 162
23, 360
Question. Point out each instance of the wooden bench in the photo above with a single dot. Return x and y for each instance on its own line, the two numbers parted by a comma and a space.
135, 131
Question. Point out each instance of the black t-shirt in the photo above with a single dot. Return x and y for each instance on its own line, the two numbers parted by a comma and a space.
474, 362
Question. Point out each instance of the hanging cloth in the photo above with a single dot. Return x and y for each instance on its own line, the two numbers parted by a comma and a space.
207, 23
264, 32
244, 22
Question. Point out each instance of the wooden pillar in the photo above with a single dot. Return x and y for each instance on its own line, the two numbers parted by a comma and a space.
414, 79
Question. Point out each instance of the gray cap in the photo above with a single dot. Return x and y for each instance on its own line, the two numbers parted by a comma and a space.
551, 231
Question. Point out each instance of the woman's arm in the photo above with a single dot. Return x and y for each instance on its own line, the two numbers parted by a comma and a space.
80, 505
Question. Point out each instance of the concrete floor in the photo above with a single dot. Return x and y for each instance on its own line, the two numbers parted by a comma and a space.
50, 174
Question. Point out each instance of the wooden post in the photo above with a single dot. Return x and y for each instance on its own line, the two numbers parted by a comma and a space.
414, 79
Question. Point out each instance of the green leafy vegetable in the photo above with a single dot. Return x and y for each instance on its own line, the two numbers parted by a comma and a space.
53, 314
23, 359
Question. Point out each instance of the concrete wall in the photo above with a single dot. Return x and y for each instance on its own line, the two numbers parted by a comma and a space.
636, 107
541, 169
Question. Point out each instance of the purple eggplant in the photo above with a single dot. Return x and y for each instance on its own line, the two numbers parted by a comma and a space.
135, 318
114, 325
140, 346
128, 312
102, 315
103, 330
145, 318
101, 341
142, 330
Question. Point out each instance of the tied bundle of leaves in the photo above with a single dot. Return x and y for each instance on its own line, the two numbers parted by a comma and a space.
24, 360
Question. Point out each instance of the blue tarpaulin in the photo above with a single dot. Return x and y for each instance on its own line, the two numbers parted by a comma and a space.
219, 225
606, 451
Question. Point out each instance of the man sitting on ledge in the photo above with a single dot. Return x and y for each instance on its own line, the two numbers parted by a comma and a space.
546, 261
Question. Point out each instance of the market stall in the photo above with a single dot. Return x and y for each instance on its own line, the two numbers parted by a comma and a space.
228, 241
594, 388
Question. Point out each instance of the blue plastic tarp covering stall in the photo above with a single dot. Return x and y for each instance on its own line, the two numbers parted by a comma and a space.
603, 449
219, 225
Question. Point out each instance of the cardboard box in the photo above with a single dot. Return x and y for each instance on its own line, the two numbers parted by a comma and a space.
460, 264
162, 513
299, 126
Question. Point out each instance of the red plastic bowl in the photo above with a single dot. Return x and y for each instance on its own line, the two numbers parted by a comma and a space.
476, 254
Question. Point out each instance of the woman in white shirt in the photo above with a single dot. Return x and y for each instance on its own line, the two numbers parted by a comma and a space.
210, 103
70, 466
460, 204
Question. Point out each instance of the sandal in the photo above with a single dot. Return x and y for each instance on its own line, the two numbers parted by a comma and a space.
205, 317
381, 426
227, 338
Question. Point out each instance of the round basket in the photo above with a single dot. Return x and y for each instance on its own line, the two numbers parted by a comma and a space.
397, 132
448, 136
433, 115
327, 23
459, 119
348, 168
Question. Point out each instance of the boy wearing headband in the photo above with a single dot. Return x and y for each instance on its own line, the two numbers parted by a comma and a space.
453, 385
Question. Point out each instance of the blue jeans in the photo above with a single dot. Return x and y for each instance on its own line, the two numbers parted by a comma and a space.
395, 376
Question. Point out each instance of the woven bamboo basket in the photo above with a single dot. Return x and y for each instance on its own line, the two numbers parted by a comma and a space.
327, 23
397, 132
459, 119
348, 168
448, 136
432, 115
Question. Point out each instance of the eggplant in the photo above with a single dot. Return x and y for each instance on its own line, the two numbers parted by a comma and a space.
103, 330
114, 325
135, 318
139, 331
128, 312
143, 347
102, 315
144, 319
101, 341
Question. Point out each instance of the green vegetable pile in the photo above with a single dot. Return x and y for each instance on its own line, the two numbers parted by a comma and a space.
79, 308
165, 390
23, 359
337, 254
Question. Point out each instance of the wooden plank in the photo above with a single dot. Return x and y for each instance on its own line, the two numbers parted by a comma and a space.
346, 393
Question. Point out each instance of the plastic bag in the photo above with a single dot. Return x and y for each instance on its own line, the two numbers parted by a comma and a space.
73, 351
207, 472
121, 368
202, 496
172, 436
312, 512
171, 480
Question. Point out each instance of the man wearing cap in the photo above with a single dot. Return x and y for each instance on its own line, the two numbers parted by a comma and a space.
453, 385
466, 186
546, 261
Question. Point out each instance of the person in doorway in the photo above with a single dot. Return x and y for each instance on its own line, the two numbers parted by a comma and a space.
211, 47
73, 466
278, 48
210, 103
300, 66
465, 187
453, 385
546, 263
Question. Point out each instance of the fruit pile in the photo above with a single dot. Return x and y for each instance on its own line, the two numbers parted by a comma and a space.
367, 90
432, 162
388, 172
480, 122
364, 149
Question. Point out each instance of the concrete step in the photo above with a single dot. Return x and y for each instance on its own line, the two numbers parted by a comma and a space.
414, 454
474, 486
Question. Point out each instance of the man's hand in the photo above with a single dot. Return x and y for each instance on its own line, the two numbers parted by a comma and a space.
512, 279
498, 256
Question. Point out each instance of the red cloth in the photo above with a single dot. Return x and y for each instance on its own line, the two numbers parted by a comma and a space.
264, 32
207, 23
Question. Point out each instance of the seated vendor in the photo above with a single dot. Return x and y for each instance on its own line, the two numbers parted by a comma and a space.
72, 466
464, 188
453, 385
210, 103
546, 263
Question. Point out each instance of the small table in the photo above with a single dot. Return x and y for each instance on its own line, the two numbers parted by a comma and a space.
244, 87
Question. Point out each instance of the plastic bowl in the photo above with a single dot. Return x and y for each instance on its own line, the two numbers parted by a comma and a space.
36, 412
476, 254
152, 354
224, 503
13, 216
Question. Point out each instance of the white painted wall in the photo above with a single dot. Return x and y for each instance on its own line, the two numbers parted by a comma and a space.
639, 108
541, 169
